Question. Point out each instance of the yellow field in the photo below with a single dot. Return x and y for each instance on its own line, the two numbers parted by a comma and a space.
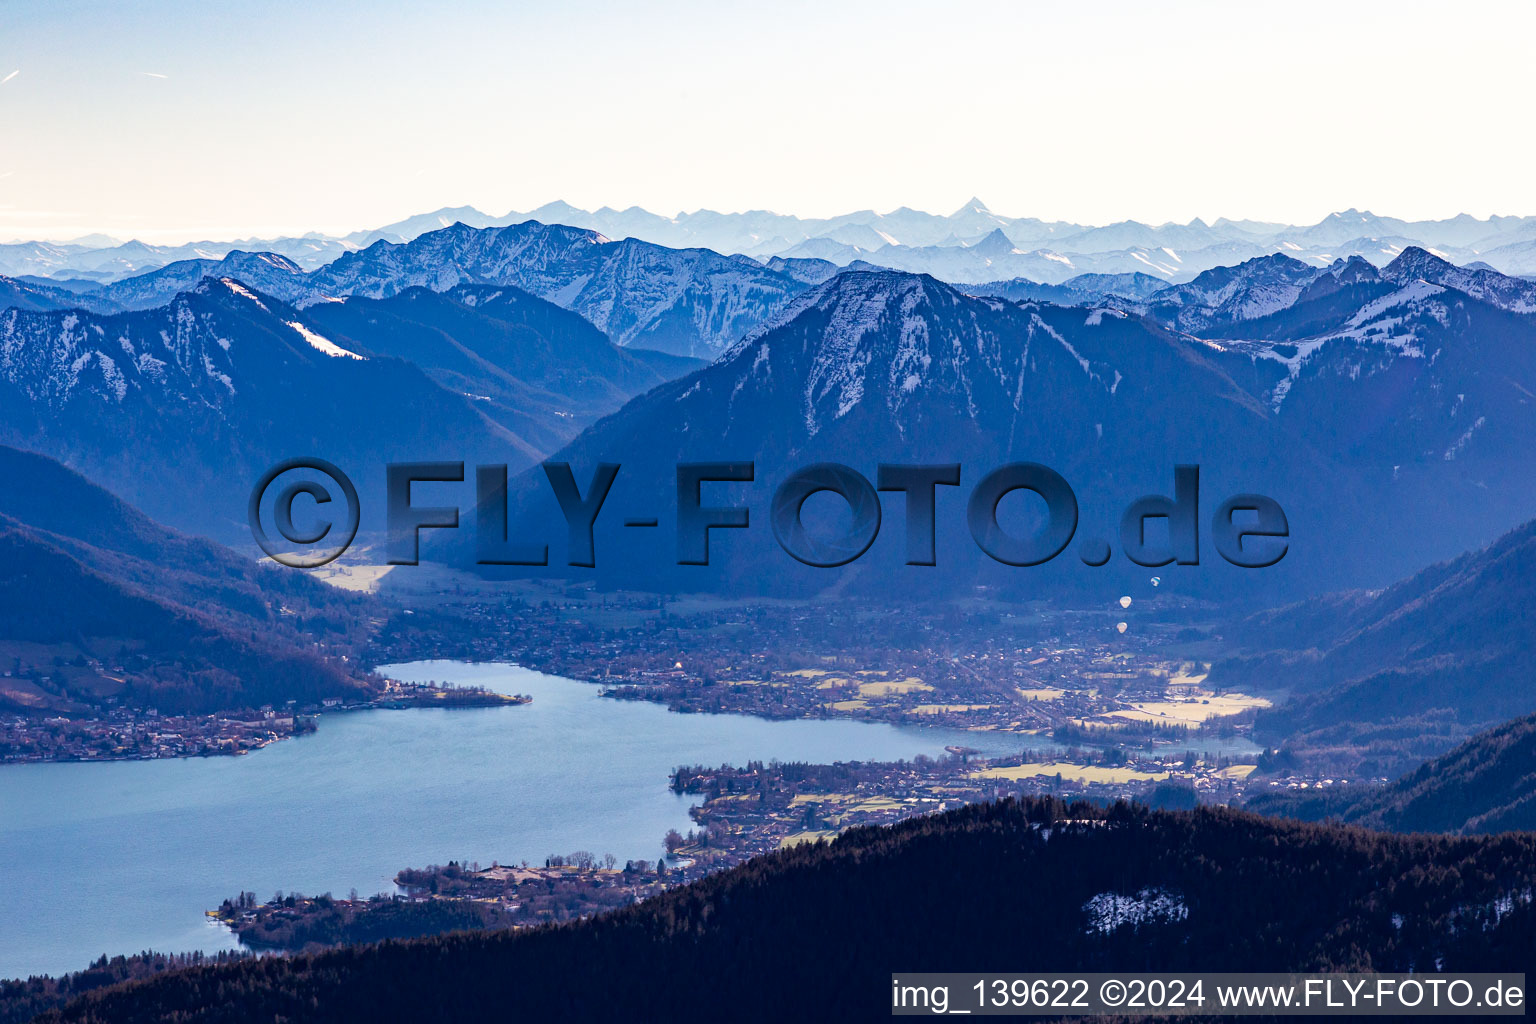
1238, 771
1098, 723
934, 709
796, 838
360, 579
1182, 678
808, 673
833, 682
1074, 772
1190, 712
847, 705
23, 692
1044, 693
821, 798
908, 685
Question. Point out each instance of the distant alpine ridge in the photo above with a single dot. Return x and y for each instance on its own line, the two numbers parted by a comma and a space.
696, 302
1387, 407
689, 302
971, 244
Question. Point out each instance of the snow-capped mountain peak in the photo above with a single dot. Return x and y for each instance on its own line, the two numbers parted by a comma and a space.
1512, 293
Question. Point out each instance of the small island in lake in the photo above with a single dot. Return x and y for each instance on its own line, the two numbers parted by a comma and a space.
443, 695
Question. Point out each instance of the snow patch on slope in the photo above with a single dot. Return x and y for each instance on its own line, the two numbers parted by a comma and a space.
244, 292
325, 345
1109, 911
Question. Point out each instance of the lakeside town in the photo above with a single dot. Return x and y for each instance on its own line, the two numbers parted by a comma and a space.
743, 812
118, 733
1073, 675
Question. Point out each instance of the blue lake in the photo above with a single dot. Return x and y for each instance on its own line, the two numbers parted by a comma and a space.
124, 856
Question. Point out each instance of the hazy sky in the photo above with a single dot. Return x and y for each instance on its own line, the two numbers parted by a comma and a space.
176, 120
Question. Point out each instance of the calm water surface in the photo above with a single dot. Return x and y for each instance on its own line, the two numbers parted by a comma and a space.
124, 856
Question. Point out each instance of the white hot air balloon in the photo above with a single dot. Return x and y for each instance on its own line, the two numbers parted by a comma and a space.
1120, 626
1125, 602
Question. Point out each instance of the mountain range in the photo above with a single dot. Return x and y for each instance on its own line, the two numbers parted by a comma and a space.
1252, 291
690, 302
100, 260
970, 244
168, 405
1344, 392
1387, 414
697, 302
888, 367
1504, 242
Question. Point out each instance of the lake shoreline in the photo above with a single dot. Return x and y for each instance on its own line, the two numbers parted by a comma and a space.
230, 733
363, 797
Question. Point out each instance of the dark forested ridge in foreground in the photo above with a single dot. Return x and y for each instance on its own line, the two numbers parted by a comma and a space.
1033, 885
